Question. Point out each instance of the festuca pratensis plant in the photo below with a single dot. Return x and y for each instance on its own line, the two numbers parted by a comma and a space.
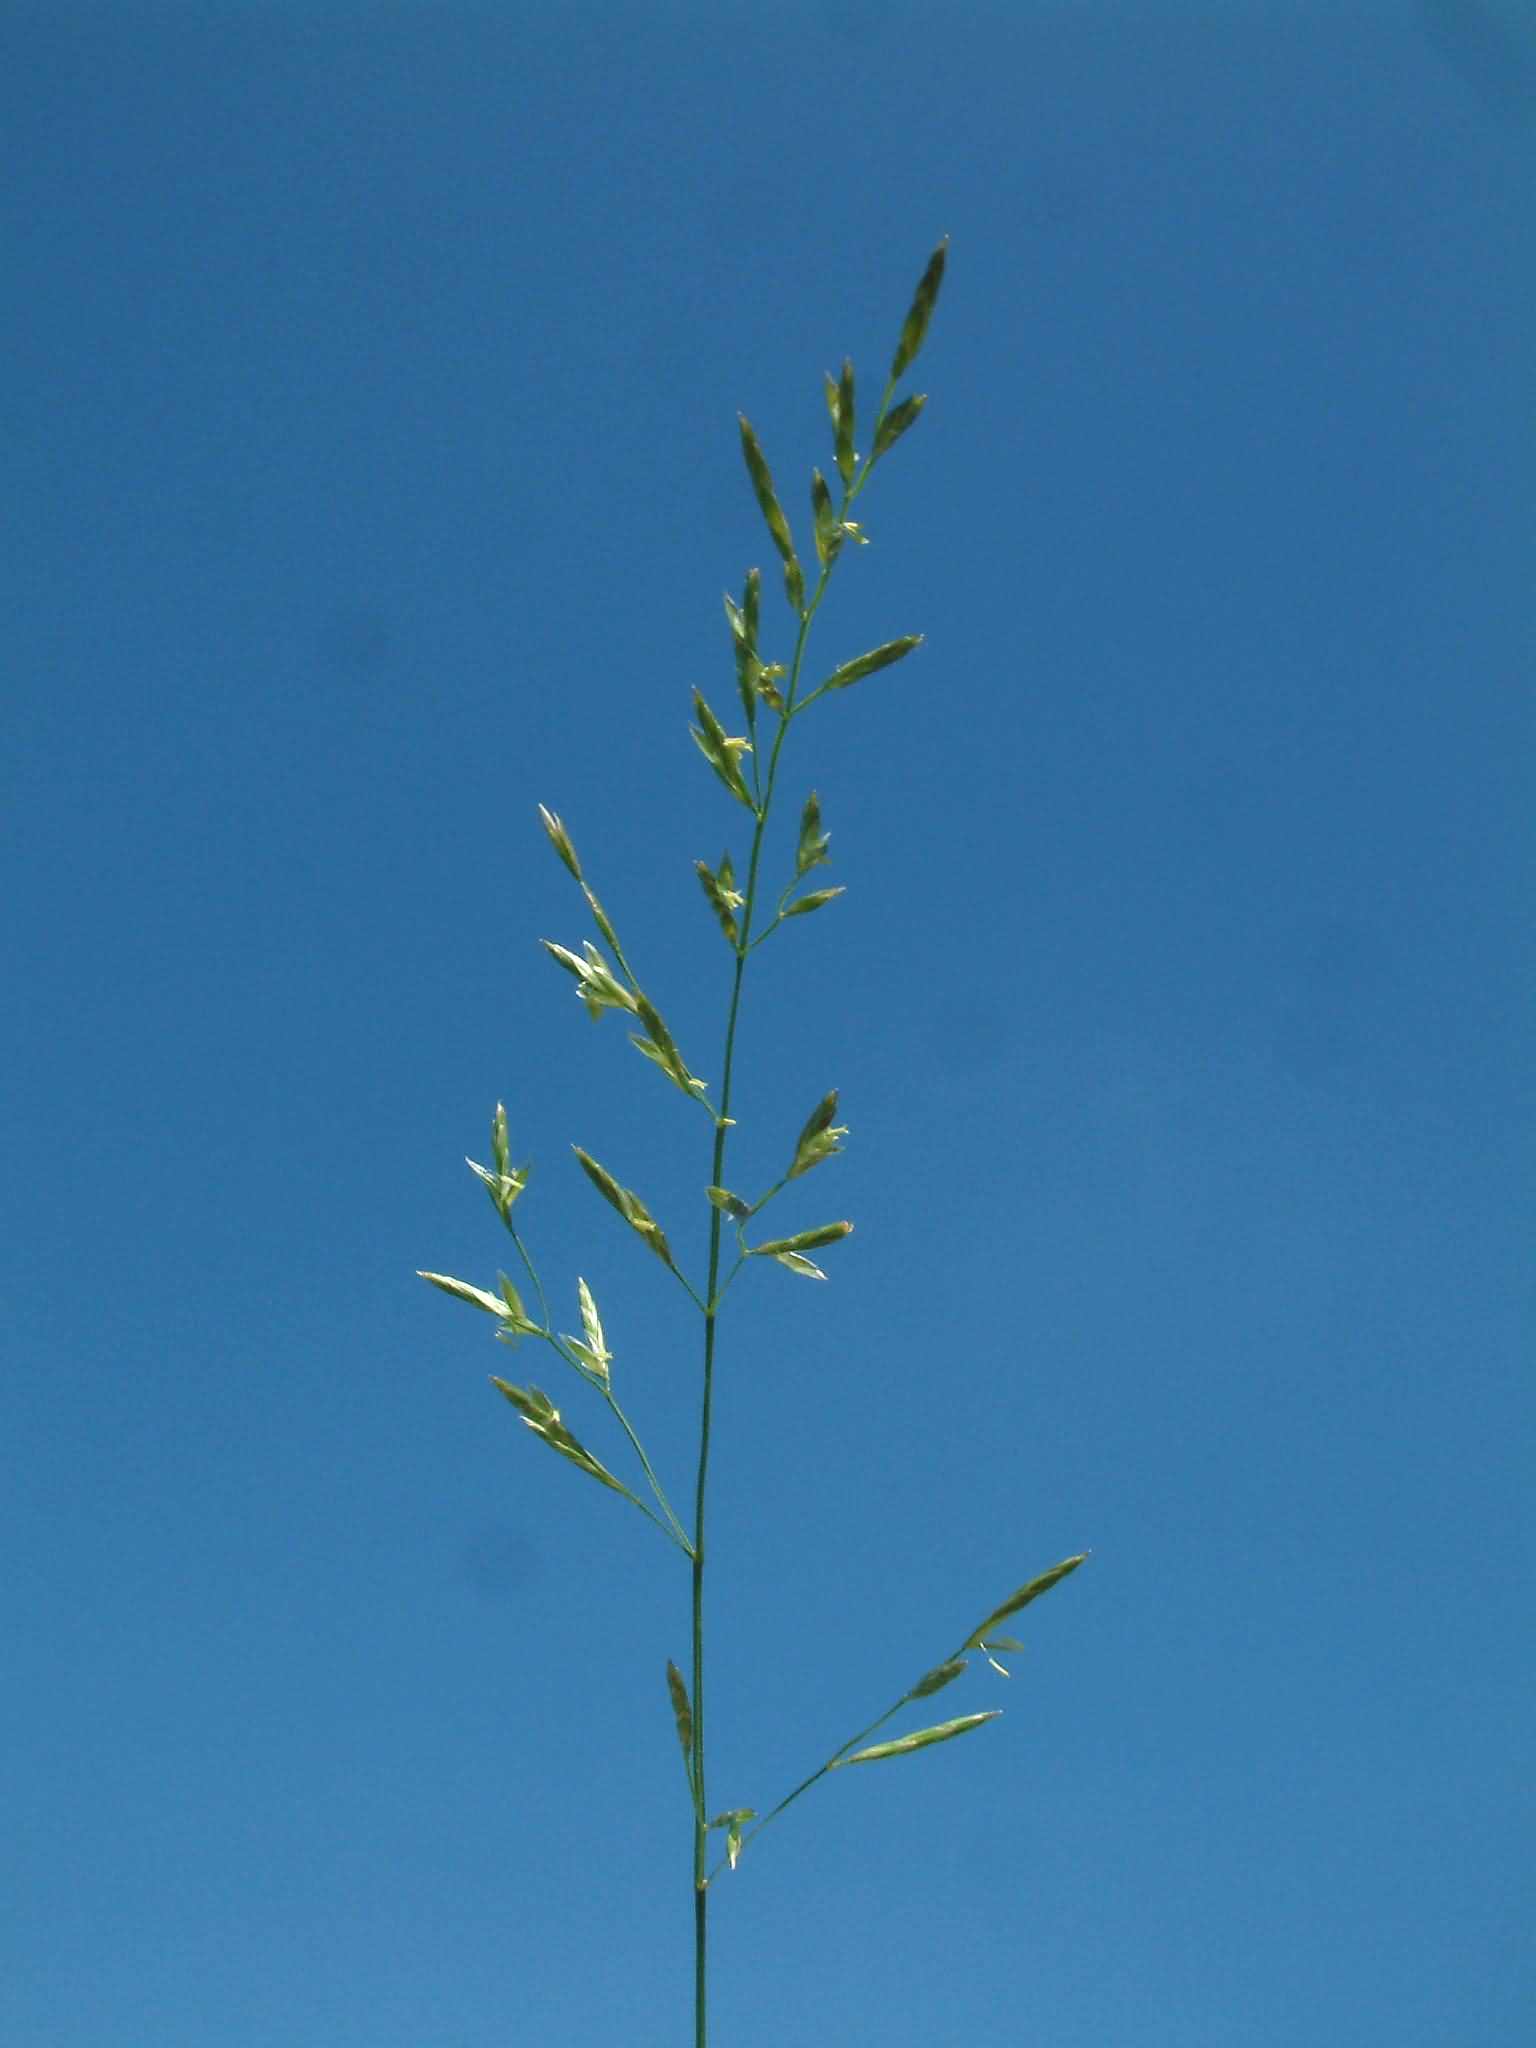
749, 908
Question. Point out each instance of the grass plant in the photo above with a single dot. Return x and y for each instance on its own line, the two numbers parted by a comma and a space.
774, 698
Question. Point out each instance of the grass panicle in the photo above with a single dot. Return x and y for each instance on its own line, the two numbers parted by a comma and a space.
773, 699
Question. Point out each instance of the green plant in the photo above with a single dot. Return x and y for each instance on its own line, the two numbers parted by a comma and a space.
748, 766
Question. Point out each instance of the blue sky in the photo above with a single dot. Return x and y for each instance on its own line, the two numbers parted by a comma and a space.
374, 478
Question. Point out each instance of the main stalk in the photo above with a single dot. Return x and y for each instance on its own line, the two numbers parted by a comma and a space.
744, 944
711, 1313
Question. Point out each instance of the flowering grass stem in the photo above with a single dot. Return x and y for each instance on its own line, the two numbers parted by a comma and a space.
607, 982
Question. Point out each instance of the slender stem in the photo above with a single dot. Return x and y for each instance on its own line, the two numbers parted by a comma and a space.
725, 1285
700, 1964
671, 1534
837, 1755
674, 1526
711, 1311
671, 1527
817, 1775
531, 1269
688, 1288
713, 1292
711, 1314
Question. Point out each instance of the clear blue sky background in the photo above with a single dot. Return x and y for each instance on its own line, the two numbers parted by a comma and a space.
371, 392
